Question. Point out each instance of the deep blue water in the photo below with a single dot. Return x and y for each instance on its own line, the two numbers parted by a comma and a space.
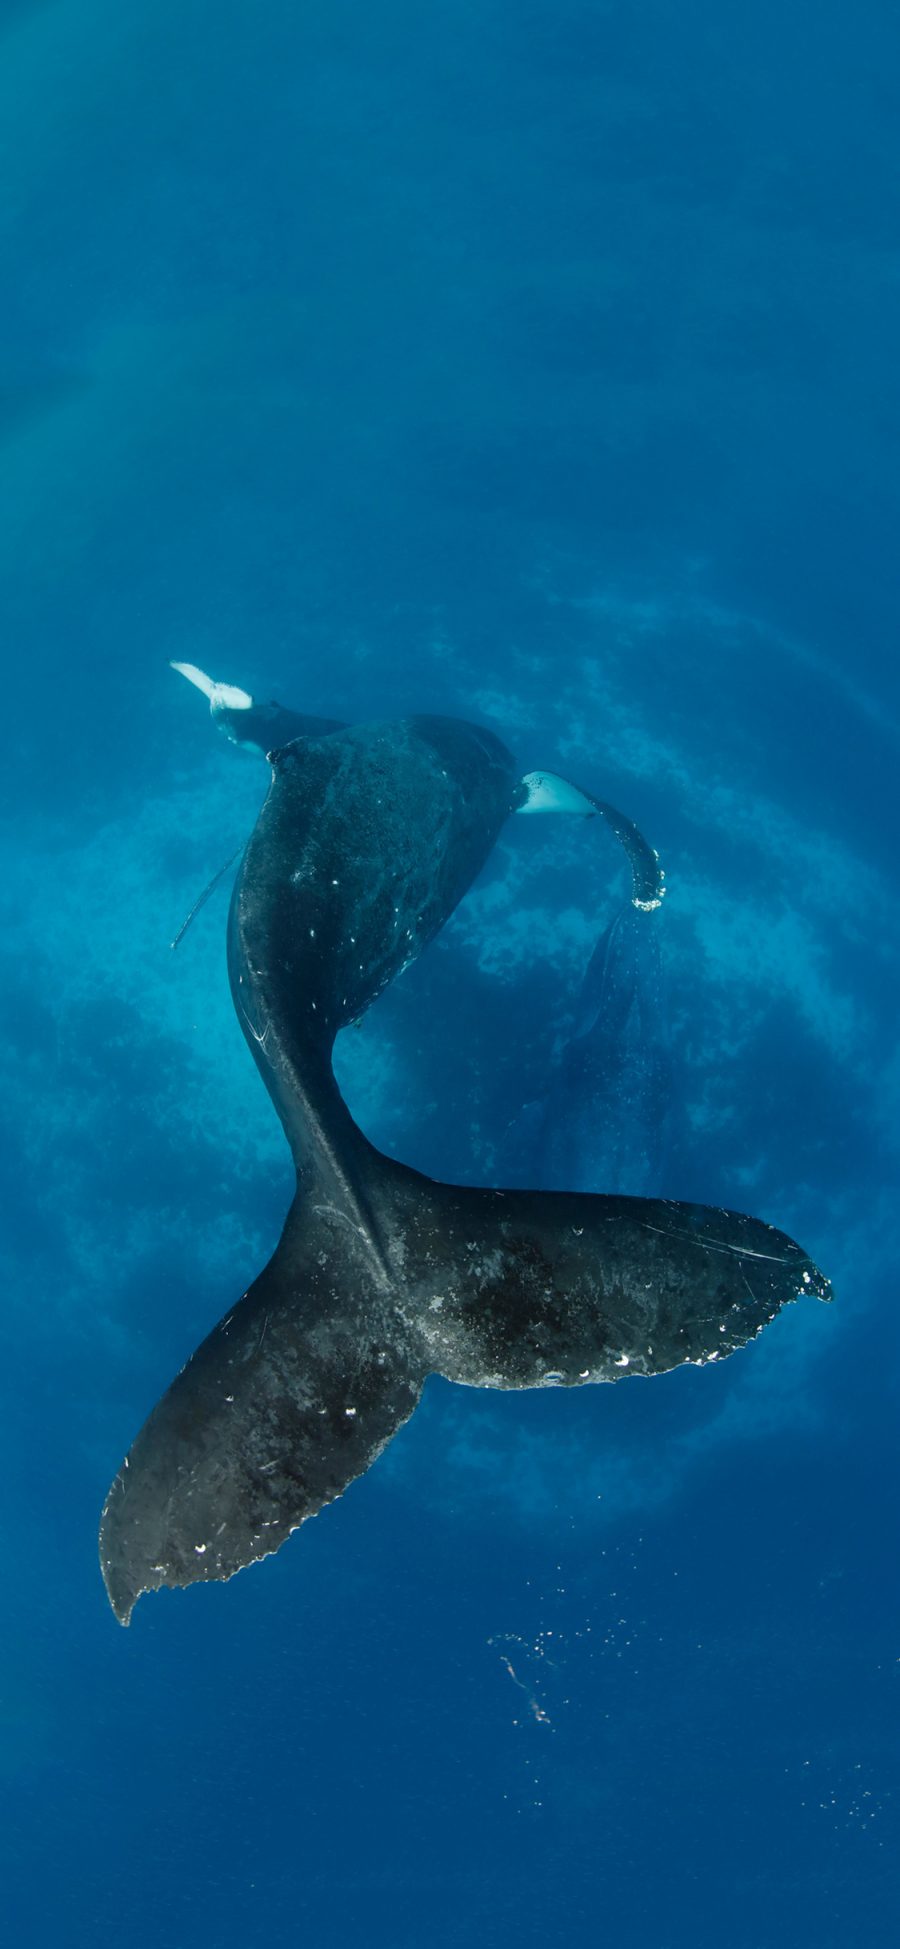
533, 360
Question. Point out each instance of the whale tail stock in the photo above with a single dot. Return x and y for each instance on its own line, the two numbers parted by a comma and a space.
300, 1387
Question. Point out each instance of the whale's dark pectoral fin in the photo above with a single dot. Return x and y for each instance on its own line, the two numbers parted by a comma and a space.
278, 1411
546, 792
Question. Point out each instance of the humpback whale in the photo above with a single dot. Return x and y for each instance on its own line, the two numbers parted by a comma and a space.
368, 838
603, 1119
266, 727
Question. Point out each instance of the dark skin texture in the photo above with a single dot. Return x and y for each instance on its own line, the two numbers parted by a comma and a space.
368, 839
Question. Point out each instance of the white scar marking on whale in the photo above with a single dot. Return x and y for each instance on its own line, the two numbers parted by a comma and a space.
261, 1038
717, 1244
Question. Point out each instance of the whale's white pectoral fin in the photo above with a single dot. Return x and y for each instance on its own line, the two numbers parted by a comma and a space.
222, 697
548, 793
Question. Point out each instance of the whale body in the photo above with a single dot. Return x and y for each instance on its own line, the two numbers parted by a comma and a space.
368, 838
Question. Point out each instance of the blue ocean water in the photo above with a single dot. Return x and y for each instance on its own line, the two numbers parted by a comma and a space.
534, 362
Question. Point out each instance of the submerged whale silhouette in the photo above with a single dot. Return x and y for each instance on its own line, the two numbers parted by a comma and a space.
603, 1118
368, 838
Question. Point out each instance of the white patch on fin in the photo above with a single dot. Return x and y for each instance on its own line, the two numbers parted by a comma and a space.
222, 697
547, 793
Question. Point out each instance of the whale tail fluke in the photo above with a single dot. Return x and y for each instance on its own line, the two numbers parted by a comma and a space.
302, 1385
287, 1401
534, 1288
